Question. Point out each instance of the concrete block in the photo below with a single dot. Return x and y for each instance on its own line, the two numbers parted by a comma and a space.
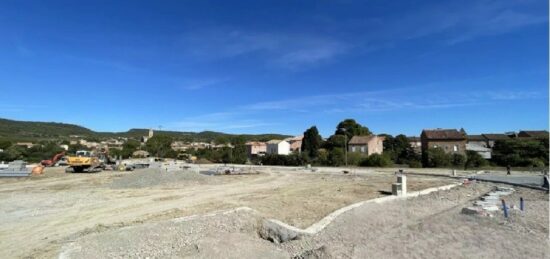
396, 189
402, 179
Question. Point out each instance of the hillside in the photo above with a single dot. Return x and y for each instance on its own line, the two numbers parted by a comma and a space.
35, 131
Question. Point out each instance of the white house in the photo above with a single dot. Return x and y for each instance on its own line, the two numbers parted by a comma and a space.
278, 147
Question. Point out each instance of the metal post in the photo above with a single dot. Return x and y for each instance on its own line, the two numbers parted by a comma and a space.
505, 209
346, 147
521, 203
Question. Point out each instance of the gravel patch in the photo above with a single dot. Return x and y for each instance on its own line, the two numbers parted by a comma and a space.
221, 235
155, 177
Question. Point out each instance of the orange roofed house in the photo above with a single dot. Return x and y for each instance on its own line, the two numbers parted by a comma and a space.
450, 140
256, 148
369, 145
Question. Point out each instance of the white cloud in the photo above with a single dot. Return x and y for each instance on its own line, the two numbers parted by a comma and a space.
218, 121
196, 84
391, 100
466, 20
283, 50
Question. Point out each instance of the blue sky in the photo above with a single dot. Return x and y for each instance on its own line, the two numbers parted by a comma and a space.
276, 66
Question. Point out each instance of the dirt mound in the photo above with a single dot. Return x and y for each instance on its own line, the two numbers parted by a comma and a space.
154, 177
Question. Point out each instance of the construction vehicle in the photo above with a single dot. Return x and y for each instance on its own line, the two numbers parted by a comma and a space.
84, 161
51, 162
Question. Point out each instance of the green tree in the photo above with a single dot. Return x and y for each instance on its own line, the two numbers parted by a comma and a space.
352, 128
239, 154
474, 160
436, 157
458, 160
221, 140
322, 157
128, 148
312, 142
335, 141
521, 152
4, 144
15, 153
336, 157
159, 145
398, 148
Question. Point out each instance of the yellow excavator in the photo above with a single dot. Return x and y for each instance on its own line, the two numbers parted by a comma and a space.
84, 161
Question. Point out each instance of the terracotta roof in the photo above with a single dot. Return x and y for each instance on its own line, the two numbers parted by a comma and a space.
360, 140
296, 138
275, 141
444, 134
476, 137
533, 133
255, 143
493, 136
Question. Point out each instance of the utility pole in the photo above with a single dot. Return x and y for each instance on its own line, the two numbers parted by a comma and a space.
345, 145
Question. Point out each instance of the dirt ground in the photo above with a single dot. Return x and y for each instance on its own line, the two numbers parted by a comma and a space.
40, 214
428, 226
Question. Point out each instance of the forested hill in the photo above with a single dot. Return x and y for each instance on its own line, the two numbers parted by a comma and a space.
35, 131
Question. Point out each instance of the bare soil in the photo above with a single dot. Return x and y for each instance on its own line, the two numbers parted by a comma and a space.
42, 213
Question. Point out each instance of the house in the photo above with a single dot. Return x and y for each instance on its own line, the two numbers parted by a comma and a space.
415, 143
485, 152
295, 143
533, 134
491, 138
369, 145
179, 146
256, 148
25, 144
478, 140
450, 140
140, 154
278, 147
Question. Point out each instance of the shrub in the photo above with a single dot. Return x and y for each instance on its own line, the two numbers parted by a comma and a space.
474, 160
458, 160
436, 157
376, 160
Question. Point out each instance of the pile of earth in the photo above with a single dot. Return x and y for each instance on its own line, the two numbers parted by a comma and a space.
154, 177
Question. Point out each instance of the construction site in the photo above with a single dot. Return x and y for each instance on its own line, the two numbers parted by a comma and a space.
179, 210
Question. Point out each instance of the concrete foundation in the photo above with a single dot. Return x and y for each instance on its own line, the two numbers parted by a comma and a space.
397, 189
402, 179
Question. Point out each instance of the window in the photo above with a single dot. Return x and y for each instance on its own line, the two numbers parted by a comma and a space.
352, 149
455, 148
363, 149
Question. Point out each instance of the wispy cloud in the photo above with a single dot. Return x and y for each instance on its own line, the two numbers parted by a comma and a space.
280, 49
218, 121
461, 21
391, 100
196, 84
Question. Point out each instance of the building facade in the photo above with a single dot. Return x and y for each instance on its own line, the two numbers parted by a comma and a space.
451, 141
366, 144
278, 147
256, 148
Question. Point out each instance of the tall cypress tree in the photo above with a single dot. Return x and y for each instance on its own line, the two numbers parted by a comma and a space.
312, 142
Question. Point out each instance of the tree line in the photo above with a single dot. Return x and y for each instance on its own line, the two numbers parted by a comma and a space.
314, 150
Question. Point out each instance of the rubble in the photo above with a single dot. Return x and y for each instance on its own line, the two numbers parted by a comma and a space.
488, 203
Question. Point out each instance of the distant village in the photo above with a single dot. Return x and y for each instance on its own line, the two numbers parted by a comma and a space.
451, 141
